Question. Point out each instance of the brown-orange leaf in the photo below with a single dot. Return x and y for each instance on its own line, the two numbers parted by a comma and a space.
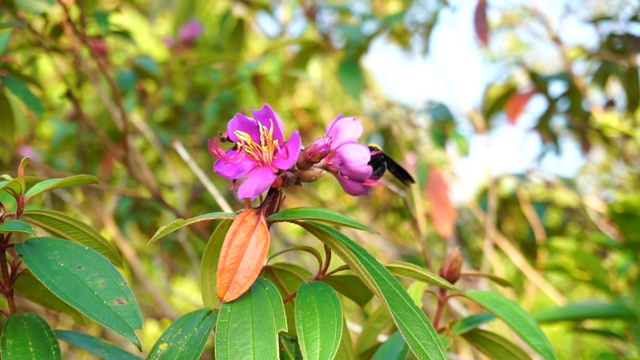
516, 103
243, 253
480, 22
442, 211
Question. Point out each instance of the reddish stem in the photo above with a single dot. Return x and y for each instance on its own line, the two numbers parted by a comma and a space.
442, 302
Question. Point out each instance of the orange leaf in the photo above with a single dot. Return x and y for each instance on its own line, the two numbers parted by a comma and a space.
480, 22
442, 213
516, 103
243, 253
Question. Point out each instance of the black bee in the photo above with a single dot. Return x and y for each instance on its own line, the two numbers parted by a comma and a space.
381, 161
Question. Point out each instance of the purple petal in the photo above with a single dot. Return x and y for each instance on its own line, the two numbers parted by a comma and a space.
344, 130
245, 124
257, 183
352, 187
287, 155
352, 161
237, 169
266, 116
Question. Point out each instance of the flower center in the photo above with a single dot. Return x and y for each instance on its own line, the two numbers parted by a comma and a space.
262, 152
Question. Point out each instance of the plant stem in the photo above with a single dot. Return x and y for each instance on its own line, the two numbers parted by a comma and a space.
7, 283
442, 302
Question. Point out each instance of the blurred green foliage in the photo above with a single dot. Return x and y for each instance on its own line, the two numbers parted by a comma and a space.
110, 88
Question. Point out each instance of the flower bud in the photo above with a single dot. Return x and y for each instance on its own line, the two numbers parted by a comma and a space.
310, 175
451, 266
314, 153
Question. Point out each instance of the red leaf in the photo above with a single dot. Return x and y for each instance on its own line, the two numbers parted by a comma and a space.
243, 253
442, 212
516, 103
480, 22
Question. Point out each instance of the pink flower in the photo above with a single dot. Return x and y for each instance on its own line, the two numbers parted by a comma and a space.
348, 160
189, 32
259, 153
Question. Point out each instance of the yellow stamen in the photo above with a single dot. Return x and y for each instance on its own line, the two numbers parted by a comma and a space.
262, 152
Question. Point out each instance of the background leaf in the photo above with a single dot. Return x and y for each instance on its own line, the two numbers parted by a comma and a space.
20, 90
393, 349
351, 77
494, 346
350, 286
209, 266
85, 280
96, 346
584, 311
12, 225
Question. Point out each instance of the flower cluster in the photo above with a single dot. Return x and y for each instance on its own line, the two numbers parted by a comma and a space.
264, 159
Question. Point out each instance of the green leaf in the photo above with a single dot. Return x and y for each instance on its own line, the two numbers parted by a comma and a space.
471, 322
351, 77
494, 346
180, 223
416, 272
318, 214
28, 336
20, 90
410, 320
96, 346
318, 320
287, 278
4, 41
12, 225
632, 89
186, 337
345, 350
289, 349
56, 183
35, 6
29, 287
416, 291
376, 324
15, 187
248, 327
518, 319
209, 266
66, 227
393, 349
85, 280
350, 286
584, 311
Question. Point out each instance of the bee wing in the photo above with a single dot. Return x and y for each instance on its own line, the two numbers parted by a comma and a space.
398, 171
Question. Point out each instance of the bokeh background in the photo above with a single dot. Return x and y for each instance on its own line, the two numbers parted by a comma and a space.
519, 120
